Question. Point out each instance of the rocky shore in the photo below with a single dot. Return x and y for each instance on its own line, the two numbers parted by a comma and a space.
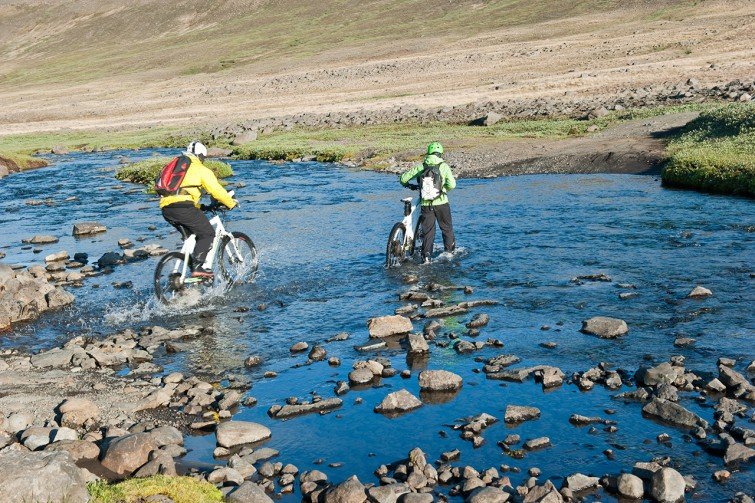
69, 416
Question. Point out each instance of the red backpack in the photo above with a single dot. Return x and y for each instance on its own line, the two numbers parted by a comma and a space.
168, 182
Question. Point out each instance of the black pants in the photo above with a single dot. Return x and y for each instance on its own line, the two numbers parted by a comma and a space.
189, 219
441, 213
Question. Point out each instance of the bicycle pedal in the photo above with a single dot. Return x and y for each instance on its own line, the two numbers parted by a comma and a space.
193, 280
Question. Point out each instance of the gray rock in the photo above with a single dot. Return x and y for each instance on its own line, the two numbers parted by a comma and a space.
605, 327
77, 411
77, 449
51, 477
737, 453
673, 413
361, 376
665, 373
317, 354
579, 482
537, 443
398, 402
288, 410
487, 495
87, 228
389, 493
252, 361
349, 491
439, 380
248, 492
630, 486
518, 413
167, 435
126, 454
699, 292
478, 321
232, 433
41, 239
667, 486
299, 347
418, 344
245, 137
386, 326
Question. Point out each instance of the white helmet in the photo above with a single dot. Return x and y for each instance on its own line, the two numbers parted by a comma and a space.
196, 148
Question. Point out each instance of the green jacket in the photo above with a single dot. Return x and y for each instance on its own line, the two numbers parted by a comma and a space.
449, 182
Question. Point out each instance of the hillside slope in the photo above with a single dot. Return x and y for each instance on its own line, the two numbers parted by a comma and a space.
87, 63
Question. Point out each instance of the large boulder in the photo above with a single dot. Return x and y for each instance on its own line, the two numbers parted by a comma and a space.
630, 486
605, 327
673, 413
439, 380
667, 486
398, 402
665, 373
519, 413
487, 495
77, 411
249, 492
386, 326
126, 454
349, 491
51, 477
232, 433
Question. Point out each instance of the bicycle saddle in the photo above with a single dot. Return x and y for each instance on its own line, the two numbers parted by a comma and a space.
407, 200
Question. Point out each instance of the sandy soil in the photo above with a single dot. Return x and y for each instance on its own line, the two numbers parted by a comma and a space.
584, 56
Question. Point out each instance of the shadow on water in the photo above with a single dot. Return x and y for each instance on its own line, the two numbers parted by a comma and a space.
321, 232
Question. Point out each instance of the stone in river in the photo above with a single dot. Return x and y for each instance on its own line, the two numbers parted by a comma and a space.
699, 292
126, 454
397, 402
630, 486
386, 326
673, 413
667, 486
439, 380
518, 413
579, 482
605, 327
87, 228
232, 433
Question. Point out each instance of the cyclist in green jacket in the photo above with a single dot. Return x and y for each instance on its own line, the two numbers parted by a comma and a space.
435, 180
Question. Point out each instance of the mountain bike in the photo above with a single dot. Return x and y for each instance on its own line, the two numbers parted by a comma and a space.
405, 236
233, 259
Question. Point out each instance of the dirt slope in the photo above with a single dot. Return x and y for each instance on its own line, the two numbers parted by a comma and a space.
102, 64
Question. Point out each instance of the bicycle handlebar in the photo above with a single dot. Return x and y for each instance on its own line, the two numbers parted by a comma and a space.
412, 186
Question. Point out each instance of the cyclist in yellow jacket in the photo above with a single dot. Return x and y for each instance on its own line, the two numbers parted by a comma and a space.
183, 211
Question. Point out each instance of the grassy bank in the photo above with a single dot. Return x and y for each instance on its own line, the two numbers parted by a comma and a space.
146, 171
179, 489
14, 161
375, 145
715, 152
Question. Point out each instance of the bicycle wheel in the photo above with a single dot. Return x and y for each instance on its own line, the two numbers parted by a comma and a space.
395, 253
168, 283
238, 259
416, 243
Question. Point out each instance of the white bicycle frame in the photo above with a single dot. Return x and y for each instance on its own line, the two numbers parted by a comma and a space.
188, 248
409, 221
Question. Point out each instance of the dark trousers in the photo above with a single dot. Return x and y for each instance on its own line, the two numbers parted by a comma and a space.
441, 213
189, 219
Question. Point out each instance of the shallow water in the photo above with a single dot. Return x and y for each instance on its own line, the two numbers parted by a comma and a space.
320, 231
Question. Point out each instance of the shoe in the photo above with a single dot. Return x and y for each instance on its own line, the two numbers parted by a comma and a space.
201, 272
426, 260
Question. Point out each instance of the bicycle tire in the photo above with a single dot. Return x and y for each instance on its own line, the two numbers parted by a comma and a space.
250, 271
162, 291
395, 253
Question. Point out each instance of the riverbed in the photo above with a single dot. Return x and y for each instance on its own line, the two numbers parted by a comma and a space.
321, 229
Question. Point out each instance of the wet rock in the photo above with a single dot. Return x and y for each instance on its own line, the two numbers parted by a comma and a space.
439, 380
167, 435
248, 492
547, 493
699, 292
299, 347
57, 257
721, 475
665, 373
478, 321
737, 453
667, 486
732, 379
487, 495
386, 326
389, 493
605, 327
398, 402
550, 377
584, 420
579, 482
630, 486
417, 344
42, 476
299, 409
444, 312
361, 376
349, 491
88, 228
225, 475
518, 413
232, 433
317, 354
77, 411
252, 361
41, 239
126, 454
673, 413
537, 443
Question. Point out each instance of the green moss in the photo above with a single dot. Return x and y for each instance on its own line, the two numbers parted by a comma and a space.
20, 162
179, 489
146, 171
715, 152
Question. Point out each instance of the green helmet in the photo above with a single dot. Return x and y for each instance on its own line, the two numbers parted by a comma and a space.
435, 148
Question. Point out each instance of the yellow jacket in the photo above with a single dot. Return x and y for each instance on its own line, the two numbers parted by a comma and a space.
199, 177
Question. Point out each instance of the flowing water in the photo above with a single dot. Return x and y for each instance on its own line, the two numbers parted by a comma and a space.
321, 230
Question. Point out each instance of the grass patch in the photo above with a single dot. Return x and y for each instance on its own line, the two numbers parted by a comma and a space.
146, 171
20, 162
179, 489
715, 152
